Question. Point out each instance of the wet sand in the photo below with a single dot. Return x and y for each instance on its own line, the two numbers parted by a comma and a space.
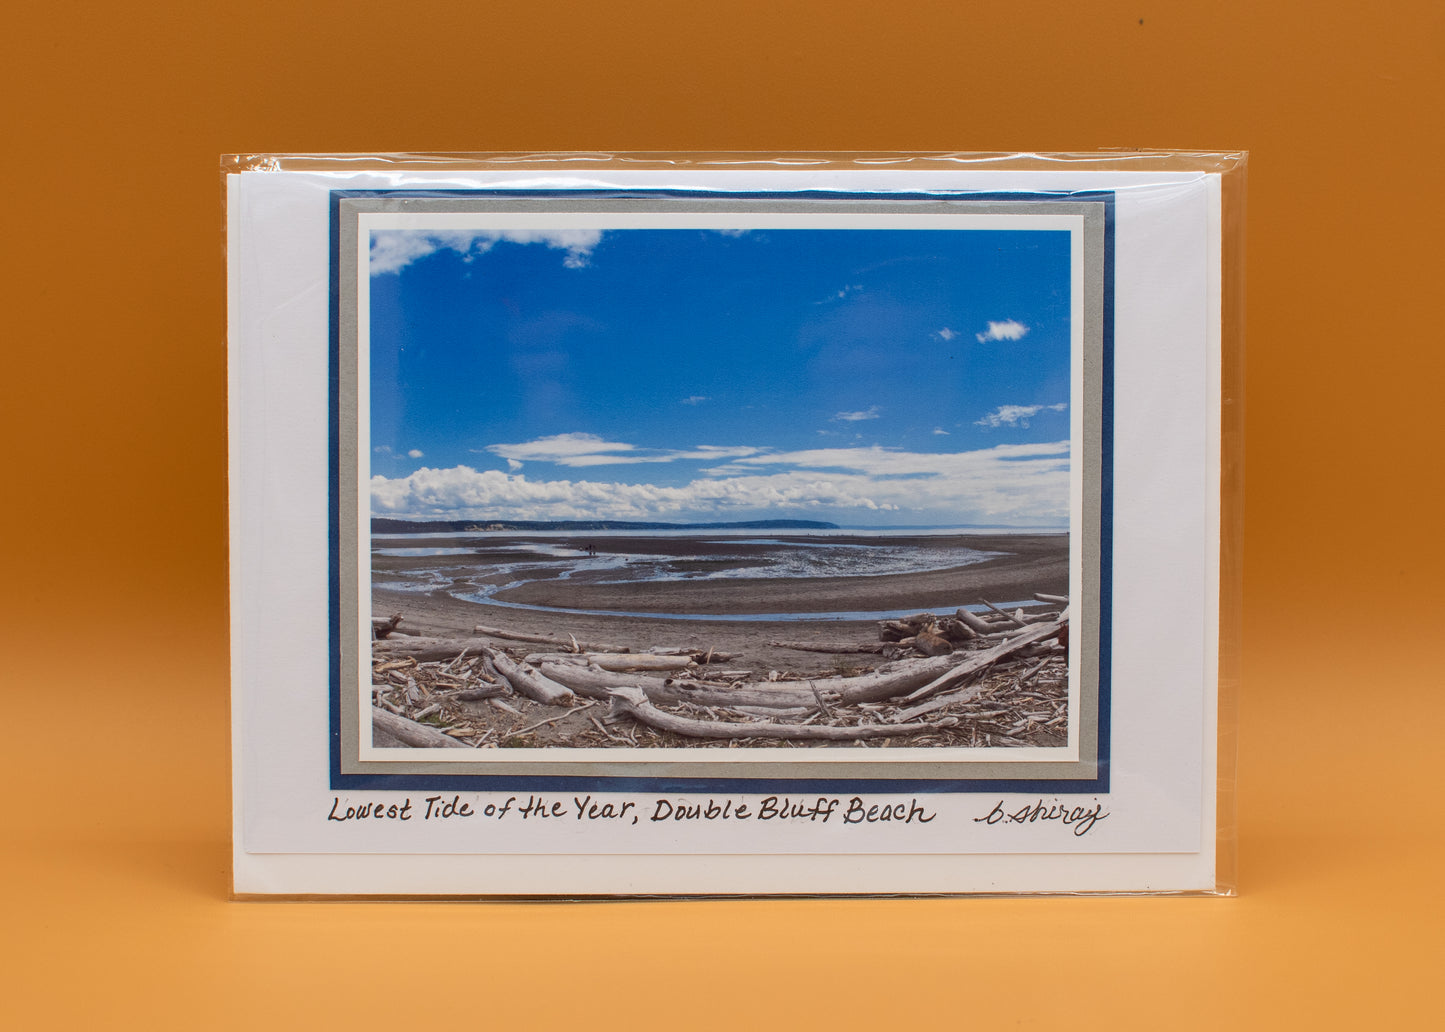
1034, 563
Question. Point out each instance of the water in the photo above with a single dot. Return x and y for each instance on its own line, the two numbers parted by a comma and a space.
713, 556
874, 614
484, 538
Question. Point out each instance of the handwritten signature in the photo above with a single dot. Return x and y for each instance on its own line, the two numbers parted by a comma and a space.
1082, 818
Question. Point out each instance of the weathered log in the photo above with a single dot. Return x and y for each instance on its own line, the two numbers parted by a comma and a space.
381, 740
598, 684
427, 650
633, 702
1032, 618
531, 683
974, 622
1058, 600
544, 639
887, 682
614, 661
410, 733
491, 691
834, 647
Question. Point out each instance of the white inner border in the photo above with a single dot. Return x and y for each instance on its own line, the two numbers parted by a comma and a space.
367, 222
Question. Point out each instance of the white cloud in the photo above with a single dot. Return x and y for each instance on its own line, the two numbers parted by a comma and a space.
513, 465
938, 431
590, 450
696, 399
854, 417
415, 453
561, 448
394, 249
947, 334
1009, 484
1017, 415
1009, 329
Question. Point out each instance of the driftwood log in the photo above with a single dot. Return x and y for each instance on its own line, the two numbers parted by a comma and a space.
885, 683
633, 702
569, 643
531, 683
835, 647
428, 650
615, 661
598, 684
410, 733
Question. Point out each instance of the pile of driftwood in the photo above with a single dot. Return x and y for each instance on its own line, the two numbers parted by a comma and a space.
963, 679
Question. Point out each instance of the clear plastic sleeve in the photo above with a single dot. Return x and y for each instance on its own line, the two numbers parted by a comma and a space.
735, 524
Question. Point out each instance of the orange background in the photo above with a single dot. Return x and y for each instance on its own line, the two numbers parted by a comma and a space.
114, 793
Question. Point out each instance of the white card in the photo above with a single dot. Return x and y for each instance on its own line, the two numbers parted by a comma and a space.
700, 530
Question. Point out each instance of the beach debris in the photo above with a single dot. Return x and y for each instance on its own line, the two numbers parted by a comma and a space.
398, 664
552, 720
994, 679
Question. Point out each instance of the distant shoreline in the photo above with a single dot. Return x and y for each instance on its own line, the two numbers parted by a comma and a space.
389, 525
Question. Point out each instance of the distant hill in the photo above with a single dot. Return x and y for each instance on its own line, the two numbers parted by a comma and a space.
380, 525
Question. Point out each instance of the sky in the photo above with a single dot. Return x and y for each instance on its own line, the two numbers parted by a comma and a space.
864, 377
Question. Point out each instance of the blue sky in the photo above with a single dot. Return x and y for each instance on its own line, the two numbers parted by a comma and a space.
867, 377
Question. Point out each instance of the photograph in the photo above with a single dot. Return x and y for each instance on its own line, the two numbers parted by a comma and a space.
756, 482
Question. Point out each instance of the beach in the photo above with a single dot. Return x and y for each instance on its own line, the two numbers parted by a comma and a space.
1025, 564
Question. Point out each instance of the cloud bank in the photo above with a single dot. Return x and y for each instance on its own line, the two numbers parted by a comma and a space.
1009, 484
